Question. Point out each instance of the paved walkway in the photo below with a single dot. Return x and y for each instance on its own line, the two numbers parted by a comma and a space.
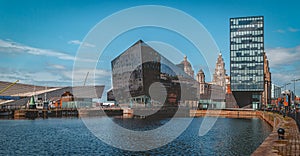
290, 145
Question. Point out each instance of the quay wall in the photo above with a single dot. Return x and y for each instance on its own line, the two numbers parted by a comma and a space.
65, 112
290, 145
224, 113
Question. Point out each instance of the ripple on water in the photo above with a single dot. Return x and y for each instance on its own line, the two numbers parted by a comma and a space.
70, 137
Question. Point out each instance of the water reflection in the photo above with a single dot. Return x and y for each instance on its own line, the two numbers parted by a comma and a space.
229, 136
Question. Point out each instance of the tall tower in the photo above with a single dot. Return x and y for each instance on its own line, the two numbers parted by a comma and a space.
201, 80
266, 96
219, 77
247, 59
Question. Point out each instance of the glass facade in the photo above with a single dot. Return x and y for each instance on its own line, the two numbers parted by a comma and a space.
139, 67
246, 53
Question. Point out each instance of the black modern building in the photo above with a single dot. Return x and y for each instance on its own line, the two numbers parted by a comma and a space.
247, 59
141, 76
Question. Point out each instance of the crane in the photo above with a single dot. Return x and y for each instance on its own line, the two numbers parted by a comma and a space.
87, 74
12, 84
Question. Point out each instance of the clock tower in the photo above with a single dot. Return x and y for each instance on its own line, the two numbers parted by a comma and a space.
219, 77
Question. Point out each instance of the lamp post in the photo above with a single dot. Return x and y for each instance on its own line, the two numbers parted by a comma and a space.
295, 80
286, 85
276, 89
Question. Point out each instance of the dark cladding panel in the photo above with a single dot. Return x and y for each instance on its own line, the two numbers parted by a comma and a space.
243, 98
247, 58
246, 53
132, 80
123, 67
151, 67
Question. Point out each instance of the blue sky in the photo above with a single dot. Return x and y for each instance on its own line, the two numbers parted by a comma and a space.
39, 38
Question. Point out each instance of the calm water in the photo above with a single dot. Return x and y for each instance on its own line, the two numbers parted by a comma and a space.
229, 136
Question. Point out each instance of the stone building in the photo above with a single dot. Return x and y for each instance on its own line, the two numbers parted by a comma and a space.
212, 96
219, 77
201, 81
216, 94
186, 66
266, 94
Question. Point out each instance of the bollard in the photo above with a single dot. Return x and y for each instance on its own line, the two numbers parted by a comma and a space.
280, 132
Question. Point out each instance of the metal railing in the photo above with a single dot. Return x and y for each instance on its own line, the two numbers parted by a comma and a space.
292, 113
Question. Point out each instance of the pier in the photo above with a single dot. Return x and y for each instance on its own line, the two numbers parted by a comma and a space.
67, 112
35, 113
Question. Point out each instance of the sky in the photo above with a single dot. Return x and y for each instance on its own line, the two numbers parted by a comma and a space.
39, 39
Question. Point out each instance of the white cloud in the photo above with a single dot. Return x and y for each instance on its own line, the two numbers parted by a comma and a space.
78, 76
16, 48
36, 78
57, 66
58, 77
281, 78
280, 31
81, 74
77, 42
283, 56
44, 76
11, 47
284, 64
85, 44
290, 29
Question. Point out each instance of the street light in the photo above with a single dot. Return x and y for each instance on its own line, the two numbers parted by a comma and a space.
276, 89
295, 80
286, 85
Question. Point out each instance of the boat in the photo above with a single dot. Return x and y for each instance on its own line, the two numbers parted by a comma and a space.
5, 113
42, 104
31, 103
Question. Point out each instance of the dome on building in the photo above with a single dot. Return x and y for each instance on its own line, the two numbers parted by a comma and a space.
185, 62
200, 71
186, 66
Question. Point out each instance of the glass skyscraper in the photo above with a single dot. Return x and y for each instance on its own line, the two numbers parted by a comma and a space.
247, 59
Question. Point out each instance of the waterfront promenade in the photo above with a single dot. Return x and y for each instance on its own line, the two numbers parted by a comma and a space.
290, 145
272, 146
